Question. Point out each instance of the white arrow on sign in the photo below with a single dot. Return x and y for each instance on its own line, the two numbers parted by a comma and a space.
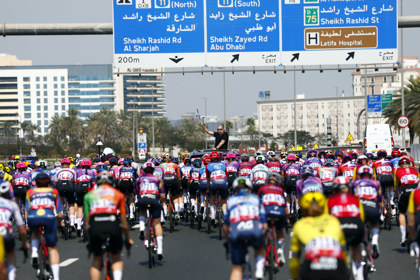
403, 121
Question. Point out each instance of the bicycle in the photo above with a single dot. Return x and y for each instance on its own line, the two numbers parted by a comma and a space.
66, 219
208, 215
43, 266
271, 257
387, 210
219, 214
367, 260
247, 269
171, 215
131, 221
150, 239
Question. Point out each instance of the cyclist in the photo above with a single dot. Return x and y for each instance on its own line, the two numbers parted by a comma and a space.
404, 152
194, 183
151, 193
185, 179
354, 156
216, 172
395, 154
273, 164
116, 170
339, 157
327, 173
321, 155
126, 184
406, 179
244, 220
347, 167
3, 271
101, 208
21, 181
232, 167
66, 178
362, 161
41, 203
290, 173
85, 174
312, 160
272, 196
370, 158
245, 167
413, 224
283, 157
202, 186
171, 182
6, 176
384, 173
259, 173
308, 183
349, 210
8, 210
319, 241
369, 192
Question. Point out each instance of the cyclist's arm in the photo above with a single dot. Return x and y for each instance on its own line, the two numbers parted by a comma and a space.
362, 211
58, 206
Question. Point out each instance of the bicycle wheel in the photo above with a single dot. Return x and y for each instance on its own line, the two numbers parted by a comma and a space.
199, 218
271, 261
66, 231
149, 246
219, 223
192, 214
171, 218
208, 219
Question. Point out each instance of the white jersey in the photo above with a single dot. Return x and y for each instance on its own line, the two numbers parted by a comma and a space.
9, 209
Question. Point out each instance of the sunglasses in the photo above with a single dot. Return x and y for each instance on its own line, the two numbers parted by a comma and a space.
220, 129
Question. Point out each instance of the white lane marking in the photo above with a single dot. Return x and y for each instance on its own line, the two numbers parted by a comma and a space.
68, 262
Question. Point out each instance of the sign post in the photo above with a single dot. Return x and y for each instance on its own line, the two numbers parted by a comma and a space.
403, 121
142, 144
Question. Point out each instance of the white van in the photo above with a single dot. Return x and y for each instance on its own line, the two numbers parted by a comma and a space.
378, 137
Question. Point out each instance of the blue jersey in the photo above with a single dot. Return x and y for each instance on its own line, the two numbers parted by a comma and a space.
217, 171
127, 173
395, 161
34, 173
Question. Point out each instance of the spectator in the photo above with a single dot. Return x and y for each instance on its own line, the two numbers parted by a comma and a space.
221, 137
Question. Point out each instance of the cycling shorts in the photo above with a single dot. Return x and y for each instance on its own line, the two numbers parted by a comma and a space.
386, 180
155, 206
184, 183
66, 189
404, 197
101, 226
172, 186
278, 219
9, 241
81, 189
327, 187
257, 185
290, 183
221, 186
231, 176
354, 230
20, 191
340, 272
238, 246
126, 186
202, 186
372, 212
193, 188
46, 218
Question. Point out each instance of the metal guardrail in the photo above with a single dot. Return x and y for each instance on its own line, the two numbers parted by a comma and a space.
415, 153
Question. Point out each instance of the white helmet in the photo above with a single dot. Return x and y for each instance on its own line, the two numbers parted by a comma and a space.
242, 180
77, 155
4, 187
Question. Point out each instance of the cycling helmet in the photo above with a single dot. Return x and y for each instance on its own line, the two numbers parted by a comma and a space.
197, 162
331, 156
361, 158
71, 159
100, 167
241, 180
395, 153
120, 161
307, 171
4, 187
311, 198
1, 166
187, 160
292, 157
312, 153
77, 155
276, 177
148, 164
381, 153
174, 160
353, 154
340, 182
86, 162
166, 156
366, 169
338, 153
156, 161
260, 158
283, 154
20, 165
96, 159
346, 158
231, 155
404, 160
7, 169
403, 151
299, 155
113, 160
43, 177
65, 161
104, 177
328, 152
17, 157
57, 164
329, 162
214, 154
42, 163
271, 153
245, 156
322, 153
370, 156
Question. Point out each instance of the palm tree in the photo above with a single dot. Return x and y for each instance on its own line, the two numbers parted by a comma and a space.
190, 135
250, 122
29, 130
411, 107
8, 129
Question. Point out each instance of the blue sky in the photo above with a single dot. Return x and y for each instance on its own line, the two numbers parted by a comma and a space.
184, 92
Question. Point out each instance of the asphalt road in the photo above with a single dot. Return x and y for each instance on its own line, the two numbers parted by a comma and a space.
193, 254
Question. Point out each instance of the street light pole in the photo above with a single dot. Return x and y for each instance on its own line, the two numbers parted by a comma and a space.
294, 93
224, 100
205, 114
402, 79
336, 113
153, 123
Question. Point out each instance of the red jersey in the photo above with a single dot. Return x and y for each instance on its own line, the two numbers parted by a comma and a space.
273, 166
272, 195
344, 205
245, 169
406, 176
347, 170
382, 166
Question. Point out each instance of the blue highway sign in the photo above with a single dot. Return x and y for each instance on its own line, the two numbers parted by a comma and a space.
374, 105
